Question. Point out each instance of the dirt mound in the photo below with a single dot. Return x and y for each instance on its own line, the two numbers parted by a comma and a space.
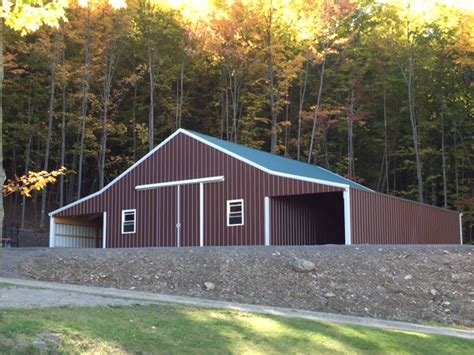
429, 283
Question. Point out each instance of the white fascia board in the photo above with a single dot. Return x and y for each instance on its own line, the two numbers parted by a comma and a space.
271, 172
179, 183
121, 175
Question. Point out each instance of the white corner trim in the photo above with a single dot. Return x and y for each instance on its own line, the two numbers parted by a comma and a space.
347, 217
266, 213
179, 183
52, 232
104, 230
201, 214
134, 211
460, 228
133, 166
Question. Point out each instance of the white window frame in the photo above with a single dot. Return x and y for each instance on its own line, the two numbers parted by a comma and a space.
229, 202
134, 211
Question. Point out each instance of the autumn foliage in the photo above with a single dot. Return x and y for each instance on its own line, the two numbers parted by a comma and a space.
25, 184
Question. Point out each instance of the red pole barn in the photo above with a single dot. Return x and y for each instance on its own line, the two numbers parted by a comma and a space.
196, 190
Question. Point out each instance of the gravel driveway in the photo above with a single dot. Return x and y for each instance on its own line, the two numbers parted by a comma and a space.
26, 297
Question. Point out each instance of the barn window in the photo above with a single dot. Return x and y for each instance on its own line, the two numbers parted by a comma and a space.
129, 221
235, 213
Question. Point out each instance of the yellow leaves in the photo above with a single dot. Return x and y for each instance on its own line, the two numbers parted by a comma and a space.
115, 4
32, 181
27, 16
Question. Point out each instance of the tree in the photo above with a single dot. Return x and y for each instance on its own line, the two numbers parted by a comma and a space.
24, 16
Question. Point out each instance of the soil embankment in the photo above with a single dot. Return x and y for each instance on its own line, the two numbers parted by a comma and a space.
410, 283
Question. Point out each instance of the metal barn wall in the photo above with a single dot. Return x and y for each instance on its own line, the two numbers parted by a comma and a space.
381, 219
186, 158
76, 235
307, 219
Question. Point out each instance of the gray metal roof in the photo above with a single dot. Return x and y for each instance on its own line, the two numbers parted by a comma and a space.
280, 164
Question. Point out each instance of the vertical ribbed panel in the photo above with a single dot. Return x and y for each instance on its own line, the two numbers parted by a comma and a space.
307, 219
184, 158
75, 236
382, 219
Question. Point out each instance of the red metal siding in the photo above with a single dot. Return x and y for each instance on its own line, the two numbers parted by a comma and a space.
186, 158
384, 219
307, 219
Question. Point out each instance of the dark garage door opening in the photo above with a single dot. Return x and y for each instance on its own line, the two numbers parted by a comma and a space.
308, 219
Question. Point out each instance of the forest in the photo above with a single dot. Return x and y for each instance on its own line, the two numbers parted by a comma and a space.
377, 91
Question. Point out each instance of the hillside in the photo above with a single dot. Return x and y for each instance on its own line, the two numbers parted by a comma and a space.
415, 283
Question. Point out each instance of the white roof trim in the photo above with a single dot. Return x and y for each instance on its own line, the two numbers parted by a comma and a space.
255, 165
219, 148
180, 182
133, 166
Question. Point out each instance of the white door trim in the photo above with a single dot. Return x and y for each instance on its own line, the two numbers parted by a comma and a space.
347, 217
52, 232
104, 230
266, 203
201, 214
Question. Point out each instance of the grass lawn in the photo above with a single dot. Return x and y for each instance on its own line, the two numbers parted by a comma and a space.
179, 330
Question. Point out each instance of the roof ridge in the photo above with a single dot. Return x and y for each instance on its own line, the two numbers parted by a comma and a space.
277, 156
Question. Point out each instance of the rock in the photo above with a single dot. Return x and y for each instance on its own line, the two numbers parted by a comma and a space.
302, 265
455, 276
329, 295
408, 277
209, 286
433, 292
445, 252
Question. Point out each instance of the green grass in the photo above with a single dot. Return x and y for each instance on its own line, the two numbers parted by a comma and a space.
178, 330
4, 285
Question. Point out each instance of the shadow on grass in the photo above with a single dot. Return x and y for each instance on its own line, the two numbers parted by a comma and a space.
166, 329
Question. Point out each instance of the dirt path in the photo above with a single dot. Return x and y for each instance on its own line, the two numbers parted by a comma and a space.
63, 294
29, 297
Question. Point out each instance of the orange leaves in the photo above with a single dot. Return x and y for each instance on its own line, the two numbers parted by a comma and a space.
32, 181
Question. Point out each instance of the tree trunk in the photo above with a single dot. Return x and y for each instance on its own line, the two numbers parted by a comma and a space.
84, 103
316, 114
50, 128
350, 136
134, 122
235, 83
27, 155
443, 162
151, 113
456, 167
63, 136
271, 94
180, 96
109, 65
385, 138
300, 111
383, 180
414, 127
2, 171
